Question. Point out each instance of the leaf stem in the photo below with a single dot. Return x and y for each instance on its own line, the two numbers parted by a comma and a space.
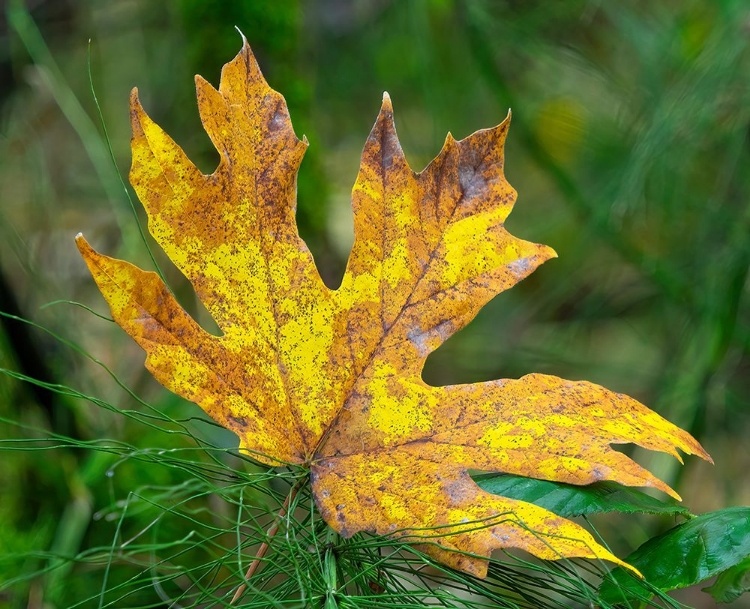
266, 544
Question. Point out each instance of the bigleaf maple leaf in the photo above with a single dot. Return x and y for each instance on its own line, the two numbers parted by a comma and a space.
331, 379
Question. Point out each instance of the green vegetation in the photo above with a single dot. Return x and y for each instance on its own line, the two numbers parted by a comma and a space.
629, 149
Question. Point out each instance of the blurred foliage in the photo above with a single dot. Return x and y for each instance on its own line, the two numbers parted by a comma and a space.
629, 148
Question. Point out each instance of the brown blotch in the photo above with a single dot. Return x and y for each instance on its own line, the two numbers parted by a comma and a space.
239, 421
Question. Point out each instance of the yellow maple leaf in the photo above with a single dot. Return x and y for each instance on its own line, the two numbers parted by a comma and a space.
331, 379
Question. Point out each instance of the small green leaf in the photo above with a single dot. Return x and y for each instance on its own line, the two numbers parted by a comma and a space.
568, 500
731, 584
685, 555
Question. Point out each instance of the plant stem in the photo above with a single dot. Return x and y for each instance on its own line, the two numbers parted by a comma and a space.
266, 544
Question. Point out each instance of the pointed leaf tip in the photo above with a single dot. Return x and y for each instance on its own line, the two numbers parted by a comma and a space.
507, 120
547, 253
135, 102
387, 104
83, 246
244, 39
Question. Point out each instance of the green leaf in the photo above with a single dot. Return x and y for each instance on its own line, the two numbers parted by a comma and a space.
685, 555
568, 500
732, 583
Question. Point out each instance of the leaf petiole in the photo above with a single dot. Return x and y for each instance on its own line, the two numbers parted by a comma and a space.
269, 537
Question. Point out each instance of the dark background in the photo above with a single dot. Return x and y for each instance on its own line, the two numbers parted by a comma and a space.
629, 149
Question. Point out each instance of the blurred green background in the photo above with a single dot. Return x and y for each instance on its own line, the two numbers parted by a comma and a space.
629, 149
